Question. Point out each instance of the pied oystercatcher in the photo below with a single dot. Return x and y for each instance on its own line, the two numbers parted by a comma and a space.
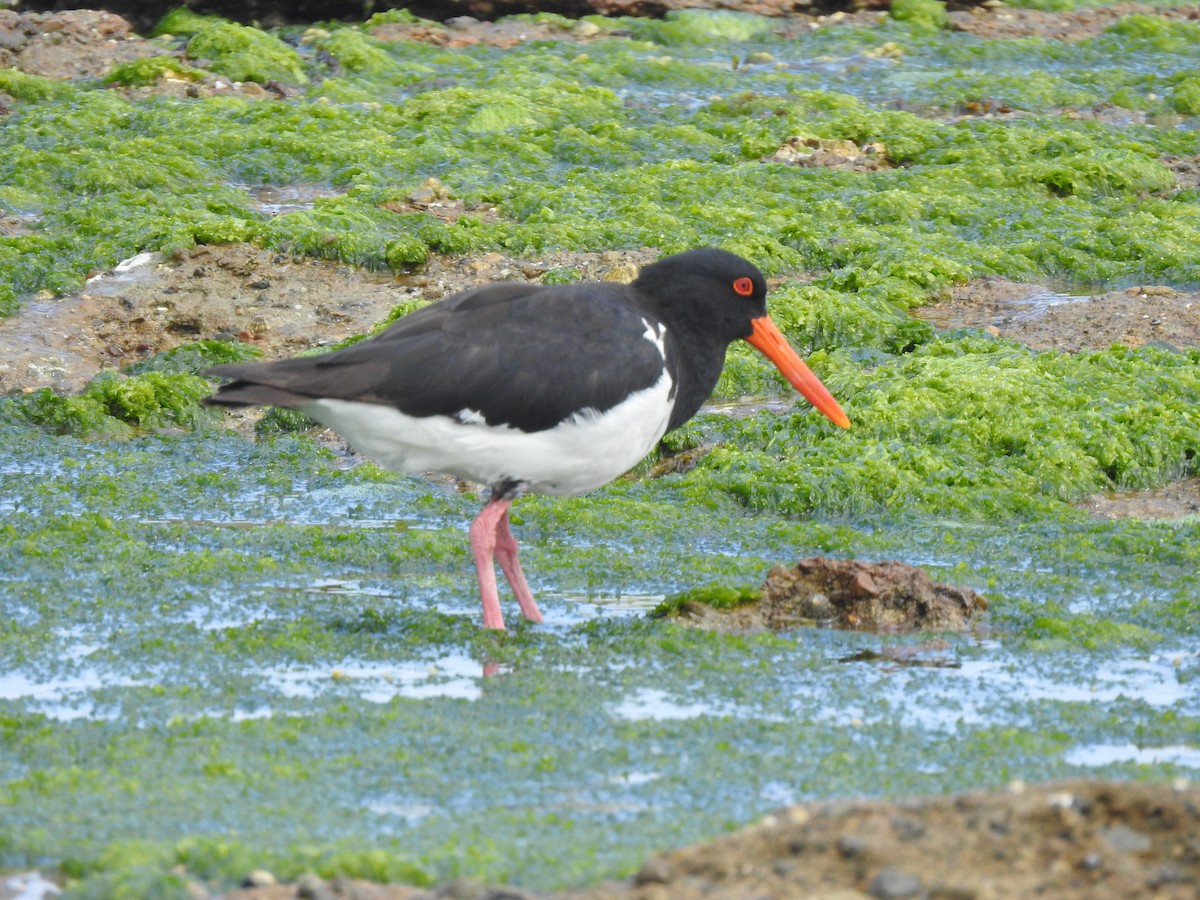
550, 389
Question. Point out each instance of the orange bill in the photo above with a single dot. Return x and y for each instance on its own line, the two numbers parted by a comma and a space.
771, 343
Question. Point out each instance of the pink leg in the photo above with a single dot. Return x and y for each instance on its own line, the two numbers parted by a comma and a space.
506, 555
491, 540
483, 548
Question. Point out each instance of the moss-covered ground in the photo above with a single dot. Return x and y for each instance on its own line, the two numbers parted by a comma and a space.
227, 655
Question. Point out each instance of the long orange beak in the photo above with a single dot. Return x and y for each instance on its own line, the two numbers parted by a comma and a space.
768, 340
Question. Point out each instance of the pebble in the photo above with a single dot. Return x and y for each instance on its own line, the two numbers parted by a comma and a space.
655, 870
1061, 800
461, 889
623, 273
1126, 839
258, 878
907, 829
894, 883
311, 886
851, 845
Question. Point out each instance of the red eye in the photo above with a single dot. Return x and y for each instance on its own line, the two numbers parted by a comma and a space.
743, 286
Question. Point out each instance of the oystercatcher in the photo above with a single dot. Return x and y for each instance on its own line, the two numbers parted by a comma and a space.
550, 389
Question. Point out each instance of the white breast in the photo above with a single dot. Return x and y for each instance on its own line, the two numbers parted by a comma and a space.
580, 454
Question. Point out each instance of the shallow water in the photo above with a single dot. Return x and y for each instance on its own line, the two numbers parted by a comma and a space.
279, 199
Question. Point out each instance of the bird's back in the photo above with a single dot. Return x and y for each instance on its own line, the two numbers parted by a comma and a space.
525, 356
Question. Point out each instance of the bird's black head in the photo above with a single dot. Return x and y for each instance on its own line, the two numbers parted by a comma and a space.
709, 289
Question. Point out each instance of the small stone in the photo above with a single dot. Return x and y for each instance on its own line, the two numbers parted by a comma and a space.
907, 829
258, 878
311, 886
894, 883
1126, 839
851, 846
784, 868
798, 815
759, 58
655, 870
819, 606
863, 585
1061, 799
1169, 873
622, 273
461, 889
586, 29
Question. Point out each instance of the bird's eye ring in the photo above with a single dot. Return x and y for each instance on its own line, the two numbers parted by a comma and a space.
743, 286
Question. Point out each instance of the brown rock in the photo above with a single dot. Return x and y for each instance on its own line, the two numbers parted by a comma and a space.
885, 596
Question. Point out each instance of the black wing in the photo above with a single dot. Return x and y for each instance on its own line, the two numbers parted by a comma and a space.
527, 356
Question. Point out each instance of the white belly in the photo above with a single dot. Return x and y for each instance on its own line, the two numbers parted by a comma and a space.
580, 454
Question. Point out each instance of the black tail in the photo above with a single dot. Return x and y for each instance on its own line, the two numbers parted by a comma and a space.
244, 391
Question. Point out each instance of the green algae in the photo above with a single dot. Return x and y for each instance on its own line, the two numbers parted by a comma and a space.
702, 26
194, 357
163, 391
162, 589
183, 21
972, 428
33, 88
151, 70
358, 53
116, 406
1153, 33
1088, 631
1185, 98
716, 596
667, 177
246, 54
922, 15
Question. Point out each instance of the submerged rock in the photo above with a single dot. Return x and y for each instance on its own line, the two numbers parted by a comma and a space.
885, 596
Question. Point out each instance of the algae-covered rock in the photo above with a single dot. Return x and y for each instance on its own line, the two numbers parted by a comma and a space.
1186, 97
355, 51
116, 405
926, 15
851, 594
246, 54
151, 70
685, 26
183, 21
